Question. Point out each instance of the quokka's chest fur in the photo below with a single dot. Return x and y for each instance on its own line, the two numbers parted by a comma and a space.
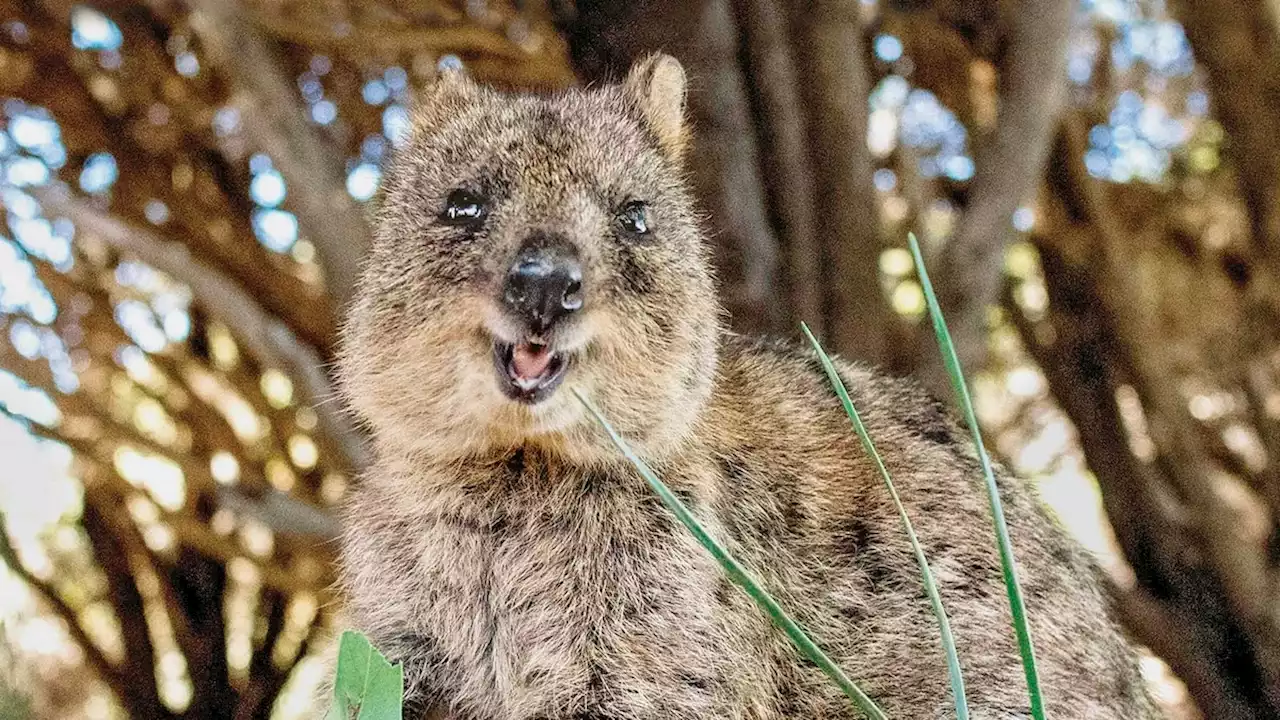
536, 591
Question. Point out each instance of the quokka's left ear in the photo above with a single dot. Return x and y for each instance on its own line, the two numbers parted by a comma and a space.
657, 85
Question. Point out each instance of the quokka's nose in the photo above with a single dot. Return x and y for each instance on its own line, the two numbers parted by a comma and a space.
543, 285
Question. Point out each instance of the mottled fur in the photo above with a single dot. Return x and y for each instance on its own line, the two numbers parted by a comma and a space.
520, 568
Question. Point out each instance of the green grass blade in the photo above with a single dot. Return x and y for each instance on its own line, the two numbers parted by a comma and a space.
930, 584
1012, 586
739, 574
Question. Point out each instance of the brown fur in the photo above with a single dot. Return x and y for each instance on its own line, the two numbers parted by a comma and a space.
519, 567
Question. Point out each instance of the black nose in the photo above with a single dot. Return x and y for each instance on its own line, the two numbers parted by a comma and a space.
543, 286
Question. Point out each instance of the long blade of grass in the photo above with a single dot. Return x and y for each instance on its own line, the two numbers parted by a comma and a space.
930, 584
739, 574
1011, 584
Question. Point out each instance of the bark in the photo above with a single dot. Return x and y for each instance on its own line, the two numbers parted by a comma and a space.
1194, 564
140, 696
1084, 377
1161, 630
1238, 44
194, 586
779, 162
265, 680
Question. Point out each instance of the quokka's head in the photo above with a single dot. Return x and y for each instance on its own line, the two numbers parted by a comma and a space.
525, 246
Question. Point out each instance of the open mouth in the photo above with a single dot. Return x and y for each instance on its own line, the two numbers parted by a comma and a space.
528, 371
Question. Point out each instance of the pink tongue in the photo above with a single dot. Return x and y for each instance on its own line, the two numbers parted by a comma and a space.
530, 361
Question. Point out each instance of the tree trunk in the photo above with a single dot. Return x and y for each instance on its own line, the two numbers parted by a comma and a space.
606, 36
827, 37
1237, 43
779, 162
1202, 575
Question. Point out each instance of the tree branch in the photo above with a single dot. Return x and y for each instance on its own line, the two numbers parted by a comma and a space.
1237, 562
264, 679
1237, 44
723, 160
105, 669
282, 513
461, 38
1162, 520
291, 515
1156, 627
277, 124
1008, 172
267, 338
193, 587
141, 695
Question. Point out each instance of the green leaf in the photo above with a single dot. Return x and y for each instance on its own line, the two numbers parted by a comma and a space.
739, 574
366, 685
1012, 587
930, 585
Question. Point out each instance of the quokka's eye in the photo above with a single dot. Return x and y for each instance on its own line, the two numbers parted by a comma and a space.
634, 218
463, 207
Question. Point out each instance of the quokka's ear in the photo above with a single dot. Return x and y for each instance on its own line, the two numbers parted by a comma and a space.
451, 75
443, 96
657, 85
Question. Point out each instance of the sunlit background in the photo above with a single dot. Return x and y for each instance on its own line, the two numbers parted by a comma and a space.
110, 366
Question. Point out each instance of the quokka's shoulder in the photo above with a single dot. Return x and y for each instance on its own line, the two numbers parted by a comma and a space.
777, 377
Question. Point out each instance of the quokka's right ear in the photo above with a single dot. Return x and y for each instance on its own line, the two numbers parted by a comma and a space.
443, 96
657, 86
451, 75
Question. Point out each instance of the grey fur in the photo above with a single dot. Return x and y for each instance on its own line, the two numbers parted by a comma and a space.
520, 568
